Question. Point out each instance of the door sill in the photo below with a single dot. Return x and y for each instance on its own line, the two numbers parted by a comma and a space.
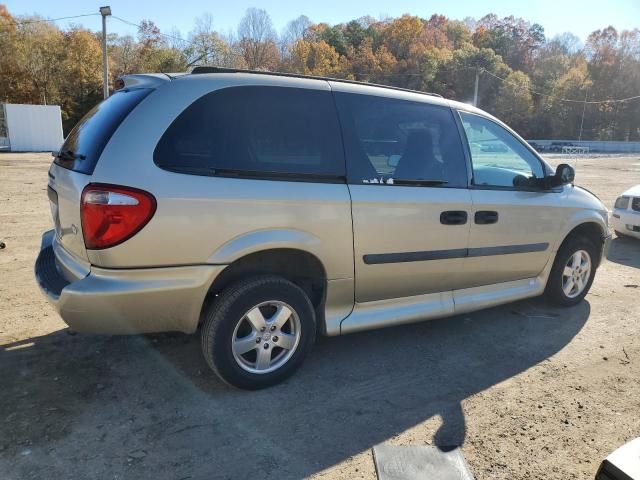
398, 311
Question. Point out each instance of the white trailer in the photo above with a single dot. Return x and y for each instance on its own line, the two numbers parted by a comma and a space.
30, 128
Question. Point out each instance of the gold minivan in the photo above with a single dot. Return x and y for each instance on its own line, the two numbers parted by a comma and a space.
265, 209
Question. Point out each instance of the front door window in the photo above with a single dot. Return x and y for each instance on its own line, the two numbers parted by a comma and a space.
498, 158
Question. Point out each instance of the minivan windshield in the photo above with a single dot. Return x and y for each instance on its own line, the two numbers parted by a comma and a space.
85, 143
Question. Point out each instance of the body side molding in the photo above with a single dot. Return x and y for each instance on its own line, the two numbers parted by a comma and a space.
379, 258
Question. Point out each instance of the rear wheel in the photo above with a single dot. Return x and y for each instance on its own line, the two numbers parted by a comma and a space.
258, 332
573, 271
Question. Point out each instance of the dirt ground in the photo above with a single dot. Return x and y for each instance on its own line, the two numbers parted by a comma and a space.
530, 392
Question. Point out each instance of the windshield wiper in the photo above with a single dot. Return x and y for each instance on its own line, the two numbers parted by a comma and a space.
68, 155
419, 182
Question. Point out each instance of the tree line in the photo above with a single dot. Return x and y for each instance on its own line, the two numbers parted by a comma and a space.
538, 85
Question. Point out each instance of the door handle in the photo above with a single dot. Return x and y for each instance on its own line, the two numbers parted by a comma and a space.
453, 217
486, 217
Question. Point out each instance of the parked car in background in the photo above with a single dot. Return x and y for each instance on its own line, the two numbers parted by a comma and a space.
557, 146
626, 213
264, 209
496, 147
538, 147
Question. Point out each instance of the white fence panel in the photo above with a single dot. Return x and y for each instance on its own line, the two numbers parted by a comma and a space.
34, 128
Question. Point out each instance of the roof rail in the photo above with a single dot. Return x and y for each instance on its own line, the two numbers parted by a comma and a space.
204, 69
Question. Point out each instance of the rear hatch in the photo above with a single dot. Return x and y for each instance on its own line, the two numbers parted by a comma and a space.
74, 164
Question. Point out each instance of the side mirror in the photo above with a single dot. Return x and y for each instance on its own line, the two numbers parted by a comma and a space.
565, 174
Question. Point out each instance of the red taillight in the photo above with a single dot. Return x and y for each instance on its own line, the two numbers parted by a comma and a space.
112, 214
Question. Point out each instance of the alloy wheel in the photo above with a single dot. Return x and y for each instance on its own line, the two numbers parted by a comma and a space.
576, 273
266, 337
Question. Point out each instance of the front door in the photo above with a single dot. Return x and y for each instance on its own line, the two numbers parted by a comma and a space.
512, 229
410, 205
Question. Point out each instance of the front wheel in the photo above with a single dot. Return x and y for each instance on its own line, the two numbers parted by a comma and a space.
258, 331
573, 272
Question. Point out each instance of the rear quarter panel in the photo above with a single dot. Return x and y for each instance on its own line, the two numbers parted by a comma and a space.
202, 219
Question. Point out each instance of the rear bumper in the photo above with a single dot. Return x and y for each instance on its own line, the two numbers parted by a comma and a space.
123, 301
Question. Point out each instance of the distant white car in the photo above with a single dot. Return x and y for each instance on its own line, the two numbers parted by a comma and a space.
626, 213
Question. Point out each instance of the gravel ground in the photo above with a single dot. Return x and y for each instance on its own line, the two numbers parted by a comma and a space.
530, 392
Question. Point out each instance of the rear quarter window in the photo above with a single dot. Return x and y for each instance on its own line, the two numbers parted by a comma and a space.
263, 132
84, 144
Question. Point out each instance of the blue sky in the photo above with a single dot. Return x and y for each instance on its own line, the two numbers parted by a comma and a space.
556, 16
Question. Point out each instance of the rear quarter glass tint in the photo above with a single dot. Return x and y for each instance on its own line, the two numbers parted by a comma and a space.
88, 138
256, 131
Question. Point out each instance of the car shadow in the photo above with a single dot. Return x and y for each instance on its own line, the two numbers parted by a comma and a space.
148, 406
625, 251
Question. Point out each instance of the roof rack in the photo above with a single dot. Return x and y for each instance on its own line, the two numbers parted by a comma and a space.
204, 69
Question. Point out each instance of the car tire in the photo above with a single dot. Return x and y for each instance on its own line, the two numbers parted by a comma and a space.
565, 272
231, 325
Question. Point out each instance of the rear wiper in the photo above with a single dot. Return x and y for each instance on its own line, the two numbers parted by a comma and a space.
68, 155
419, 182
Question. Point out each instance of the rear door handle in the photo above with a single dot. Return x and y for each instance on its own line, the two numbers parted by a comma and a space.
453, 217
486, 217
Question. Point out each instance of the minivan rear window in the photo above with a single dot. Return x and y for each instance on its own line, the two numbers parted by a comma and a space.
85, 143
259, 132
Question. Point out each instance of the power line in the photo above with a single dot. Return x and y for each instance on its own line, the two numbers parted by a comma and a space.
137, 25
404, 74
173, 37
47, 20
568, 100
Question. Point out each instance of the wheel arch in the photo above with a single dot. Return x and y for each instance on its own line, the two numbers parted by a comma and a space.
300, 267
590, 228
596, 233
262, 240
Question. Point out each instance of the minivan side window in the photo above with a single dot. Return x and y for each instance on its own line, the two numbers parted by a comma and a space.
498, 158
389, 140
256, 131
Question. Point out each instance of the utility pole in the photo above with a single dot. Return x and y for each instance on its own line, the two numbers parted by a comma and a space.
584, 108
105, 12
475, 90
